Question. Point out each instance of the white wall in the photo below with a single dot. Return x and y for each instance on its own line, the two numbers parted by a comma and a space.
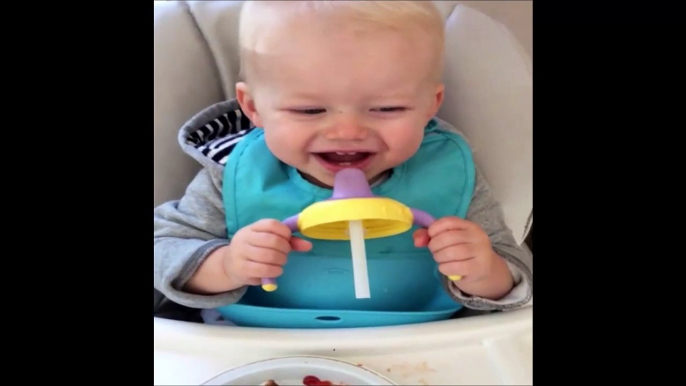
516, 15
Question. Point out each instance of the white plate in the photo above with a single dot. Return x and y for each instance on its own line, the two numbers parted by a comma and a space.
292, 370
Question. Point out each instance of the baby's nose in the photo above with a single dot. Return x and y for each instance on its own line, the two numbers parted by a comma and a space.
347, 131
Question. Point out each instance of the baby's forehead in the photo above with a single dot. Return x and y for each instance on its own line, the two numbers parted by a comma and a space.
271, 37
267, 25
373, 60
272, 31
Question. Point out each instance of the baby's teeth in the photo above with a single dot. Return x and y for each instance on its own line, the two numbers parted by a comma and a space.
340, 153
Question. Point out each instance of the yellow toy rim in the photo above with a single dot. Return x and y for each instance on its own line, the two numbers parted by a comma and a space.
381, 217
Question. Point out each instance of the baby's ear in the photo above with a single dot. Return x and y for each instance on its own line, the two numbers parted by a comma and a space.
437, 100
247, 103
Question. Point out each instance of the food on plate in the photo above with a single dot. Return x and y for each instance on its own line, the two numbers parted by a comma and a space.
309, 380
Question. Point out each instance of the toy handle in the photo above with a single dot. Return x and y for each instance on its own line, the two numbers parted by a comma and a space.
425, 220
269, 284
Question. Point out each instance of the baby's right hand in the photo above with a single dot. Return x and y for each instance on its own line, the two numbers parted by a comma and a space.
260, 250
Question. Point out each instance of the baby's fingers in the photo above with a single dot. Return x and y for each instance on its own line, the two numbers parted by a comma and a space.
272, 226
421, 237
300, 245
448, 239
465, 268
267, 256
253, 281
256, 270
267, 240
455, 253
450, 223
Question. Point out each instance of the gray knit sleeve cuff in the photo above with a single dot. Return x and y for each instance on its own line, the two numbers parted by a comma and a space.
175, 293
519, 295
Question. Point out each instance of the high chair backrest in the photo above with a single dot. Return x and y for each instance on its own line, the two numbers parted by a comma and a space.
488, 96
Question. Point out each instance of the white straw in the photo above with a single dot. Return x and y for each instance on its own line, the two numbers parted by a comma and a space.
359, 257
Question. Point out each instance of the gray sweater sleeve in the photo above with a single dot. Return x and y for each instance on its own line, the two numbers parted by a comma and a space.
487, 212
186, 232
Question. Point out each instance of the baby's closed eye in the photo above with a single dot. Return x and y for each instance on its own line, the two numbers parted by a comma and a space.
316, 111
308, 111
389, 109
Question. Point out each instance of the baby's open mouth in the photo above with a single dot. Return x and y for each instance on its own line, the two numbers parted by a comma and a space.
342, 159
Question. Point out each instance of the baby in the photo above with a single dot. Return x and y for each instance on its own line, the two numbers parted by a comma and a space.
330, 85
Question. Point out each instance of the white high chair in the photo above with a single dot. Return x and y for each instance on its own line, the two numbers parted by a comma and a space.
488, 98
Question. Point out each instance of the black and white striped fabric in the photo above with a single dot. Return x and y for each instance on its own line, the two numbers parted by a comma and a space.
217, 139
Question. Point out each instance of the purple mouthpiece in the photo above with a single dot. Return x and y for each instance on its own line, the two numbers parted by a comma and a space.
350, 183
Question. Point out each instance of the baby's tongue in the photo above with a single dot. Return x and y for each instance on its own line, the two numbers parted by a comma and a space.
344, 157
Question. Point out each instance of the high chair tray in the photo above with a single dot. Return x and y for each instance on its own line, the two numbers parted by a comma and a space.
246, 315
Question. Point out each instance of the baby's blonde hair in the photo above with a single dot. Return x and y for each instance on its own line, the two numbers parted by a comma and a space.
395, 14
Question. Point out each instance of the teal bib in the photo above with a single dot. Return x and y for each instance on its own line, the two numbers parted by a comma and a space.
438, 179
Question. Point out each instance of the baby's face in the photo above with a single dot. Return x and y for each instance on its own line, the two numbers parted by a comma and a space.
331, 98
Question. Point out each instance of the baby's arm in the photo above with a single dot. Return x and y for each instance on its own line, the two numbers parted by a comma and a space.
487, 212
187, 232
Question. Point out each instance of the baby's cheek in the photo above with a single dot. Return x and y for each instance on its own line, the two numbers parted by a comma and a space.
286, 146
404, 141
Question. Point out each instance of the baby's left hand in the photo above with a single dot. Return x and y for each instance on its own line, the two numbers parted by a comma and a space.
460, 247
